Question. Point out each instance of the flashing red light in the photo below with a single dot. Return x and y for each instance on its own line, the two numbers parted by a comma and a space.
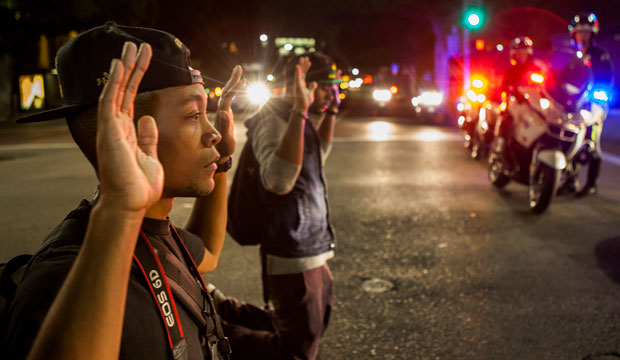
537, 78
367, 79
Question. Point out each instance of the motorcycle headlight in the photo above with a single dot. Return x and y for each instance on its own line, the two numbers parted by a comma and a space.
471, 95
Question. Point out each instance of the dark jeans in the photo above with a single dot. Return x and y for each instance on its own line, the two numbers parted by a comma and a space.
293, 329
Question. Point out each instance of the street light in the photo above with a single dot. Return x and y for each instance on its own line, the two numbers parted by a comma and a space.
263, 38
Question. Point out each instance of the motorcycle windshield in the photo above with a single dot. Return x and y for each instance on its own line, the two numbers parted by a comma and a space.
568, 79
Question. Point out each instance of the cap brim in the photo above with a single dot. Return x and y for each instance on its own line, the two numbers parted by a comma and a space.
52, 114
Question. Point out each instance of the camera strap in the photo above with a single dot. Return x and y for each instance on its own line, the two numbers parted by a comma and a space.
217, 342
153, 272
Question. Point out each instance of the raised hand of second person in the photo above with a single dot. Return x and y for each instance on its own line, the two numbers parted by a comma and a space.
130, 173
303, 96
334, 91
224, 118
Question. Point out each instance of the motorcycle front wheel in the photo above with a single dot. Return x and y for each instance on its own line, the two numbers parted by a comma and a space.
496, 173
475, 147
467, 140
541, 188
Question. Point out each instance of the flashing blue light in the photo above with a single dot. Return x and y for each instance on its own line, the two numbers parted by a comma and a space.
600, 95
394, 68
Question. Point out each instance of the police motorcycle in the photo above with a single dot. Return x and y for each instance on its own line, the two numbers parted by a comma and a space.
488, 115
471, 105
549, 122
594, 117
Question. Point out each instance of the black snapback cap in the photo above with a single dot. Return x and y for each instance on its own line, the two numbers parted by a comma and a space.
83, 65
323, 69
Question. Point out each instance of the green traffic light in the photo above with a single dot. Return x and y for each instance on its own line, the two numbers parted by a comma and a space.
473, 18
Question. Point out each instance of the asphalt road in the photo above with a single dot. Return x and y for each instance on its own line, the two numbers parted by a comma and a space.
472, 273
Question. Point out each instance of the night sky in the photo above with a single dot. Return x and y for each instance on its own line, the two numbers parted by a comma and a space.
361, 33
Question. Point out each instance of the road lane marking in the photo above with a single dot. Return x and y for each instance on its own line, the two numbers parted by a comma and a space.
445, 137
611, 158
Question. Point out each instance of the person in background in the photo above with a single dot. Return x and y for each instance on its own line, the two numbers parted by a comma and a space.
583, 30
298, 239
518, 74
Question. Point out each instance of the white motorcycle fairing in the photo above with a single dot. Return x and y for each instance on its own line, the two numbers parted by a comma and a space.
527, 125
552, 158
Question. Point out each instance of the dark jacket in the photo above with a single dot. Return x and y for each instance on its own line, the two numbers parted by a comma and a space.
298, 223
518, 75
602, 68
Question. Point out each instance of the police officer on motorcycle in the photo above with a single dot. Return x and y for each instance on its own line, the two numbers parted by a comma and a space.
521, 59
583, 29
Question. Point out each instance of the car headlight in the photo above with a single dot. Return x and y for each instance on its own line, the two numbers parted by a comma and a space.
382, 95
258, 93
431, 98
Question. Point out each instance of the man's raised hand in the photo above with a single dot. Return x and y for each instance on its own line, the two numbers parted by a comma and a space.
224, 119
303, 95
130, 174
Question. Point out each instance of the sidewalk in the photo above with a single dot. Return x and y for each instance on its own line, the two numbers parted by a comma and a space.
39, 132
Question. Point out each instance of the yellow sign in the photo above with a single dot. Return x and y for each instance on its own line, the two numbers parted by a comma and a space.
31, 92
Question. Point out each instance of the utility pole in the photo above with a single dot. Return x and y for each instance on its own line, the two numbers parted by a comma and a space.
466, 60
473, 18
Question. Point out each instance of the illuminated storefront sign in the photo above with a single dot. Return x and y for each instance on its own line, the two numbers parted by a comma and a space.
31, 92
295, 42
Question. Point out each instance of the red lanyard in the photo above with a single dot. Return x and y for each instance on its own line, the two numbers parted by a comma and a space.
217, 342
154, 274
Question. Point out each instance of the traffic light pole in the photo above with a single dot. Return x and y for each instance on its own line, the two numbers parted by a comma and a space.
466, 60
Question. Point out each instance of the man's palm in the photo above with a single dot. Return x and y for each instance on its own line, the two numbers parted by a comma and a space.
131, 176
